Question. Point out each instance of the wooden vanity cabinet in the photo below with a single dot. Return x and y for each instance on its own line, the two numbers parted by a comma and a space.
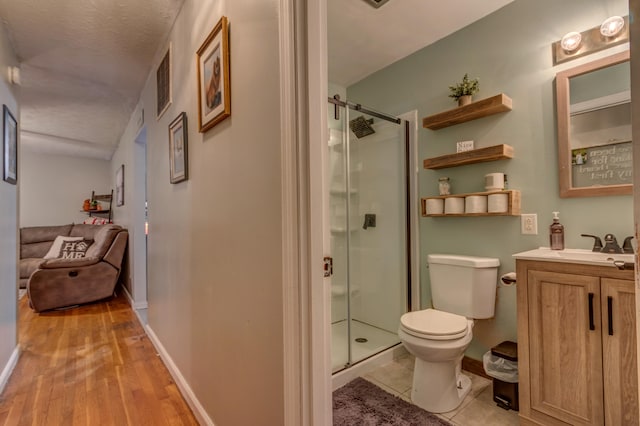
576, 344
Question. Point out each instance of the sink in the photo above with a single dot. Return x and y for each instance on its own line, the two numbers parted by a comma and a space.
587, 257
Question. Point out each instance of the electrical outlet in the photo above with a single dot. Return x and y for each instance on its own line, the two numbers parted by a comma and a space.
529, 224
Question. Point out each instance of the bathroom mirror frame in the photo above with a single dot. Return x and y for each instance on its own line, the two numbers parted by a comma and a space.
564, 144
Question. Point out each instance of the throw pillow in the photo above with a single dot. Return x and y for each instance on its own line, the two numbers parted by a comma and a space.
67, 248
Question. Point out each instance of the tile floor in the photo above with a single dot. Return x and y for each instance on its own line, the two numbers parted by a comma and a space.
478, 408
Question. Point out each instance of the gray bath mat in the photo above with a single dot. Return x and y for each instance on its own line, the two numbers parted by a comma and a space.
360, 402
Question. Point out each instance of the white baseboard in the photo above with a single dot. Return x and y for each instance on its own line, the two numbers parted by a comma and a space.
197, 408
133, 303
8, 369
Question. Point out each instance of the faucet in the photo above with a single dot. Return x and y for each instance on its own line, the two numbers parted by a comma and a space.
597, 243
611, 244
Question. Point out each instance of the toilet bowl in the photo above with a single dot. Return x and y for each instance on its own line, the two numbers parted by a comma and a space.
463, 289
438, 341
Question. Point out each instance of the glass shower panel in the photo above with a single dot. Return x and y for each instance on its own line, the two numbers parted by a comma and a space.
336, 174
367, 189
378, 263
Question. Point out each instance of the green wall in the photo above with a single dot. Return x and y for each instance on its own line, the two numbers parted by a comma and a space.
510, 52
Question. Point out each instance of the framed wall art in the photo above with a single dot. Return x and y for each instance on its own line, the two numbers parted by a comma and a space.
9, 147
214, 88
178, 154
163, 84
120, 186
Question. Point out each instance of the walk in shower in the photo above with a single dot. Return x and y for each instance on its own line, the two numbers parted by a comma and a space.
368, 204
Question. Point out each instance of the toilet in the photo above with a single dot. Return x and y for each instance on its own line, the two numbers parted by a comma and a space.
463, 288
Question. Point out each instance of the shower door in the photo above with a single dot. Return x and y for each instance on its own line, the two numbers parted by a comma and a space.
367, 181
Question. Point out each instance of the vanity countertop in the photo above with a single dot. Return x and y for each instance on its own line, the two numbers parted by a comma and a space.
586, 257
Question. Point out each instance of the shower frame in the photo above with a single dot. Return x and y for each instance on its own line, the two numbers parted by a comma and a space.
358, 107
337, 102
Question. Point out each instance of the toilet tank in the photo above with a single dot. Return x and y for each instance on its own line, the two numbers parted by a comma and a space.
464, 285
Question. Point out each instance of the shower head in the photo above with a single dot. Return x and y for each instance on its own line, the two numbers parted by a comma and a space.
361, 127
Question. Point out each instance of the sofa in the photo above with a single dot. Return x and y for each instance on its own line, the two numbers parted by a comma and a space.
59, 270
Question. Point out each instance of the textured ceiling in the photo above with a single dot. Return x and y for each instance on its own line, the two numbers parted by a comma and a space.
363, 39
83, 64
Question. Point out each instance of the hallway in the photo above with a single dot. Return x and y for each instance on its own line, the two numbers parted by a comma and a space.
90, 365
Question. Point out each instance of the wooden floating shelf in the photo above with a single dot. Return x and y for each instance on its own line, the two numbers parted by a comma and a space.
482, 108
513, 208
480, 155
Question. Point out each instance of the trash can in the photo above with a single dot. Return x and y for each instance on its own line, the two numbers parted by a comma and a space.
501, 363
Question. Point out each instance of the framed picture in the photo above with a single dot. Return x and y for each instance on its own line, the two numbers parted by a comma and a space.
163, 84
214, 88
120, 186
178, 158
10, 147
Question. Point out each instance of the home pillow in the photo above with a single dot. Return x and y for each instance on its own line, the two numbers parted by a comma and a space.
67, 248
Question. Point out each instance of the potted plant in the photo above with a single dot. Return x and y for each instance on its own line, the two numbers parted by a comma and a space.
463, 91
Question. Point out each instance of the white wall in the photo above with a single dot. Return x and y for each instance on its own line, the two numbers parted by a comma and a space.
53, 187
214, 245
126, 214
8, 230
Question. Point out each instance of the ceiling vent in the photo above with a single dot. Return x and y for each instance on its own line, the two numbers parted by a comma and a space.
376, 3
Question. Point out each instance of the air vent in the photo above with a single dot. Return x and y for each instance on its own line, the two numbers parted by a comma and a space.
376, 3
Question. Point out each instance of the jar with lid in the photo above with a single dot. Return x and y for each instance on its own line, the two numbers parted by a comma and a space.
444, 186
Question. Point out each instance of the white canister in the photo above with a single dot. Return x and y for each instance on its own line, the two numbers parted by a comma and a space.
454, 205
435, 205
498, 203
475, 204
494, 182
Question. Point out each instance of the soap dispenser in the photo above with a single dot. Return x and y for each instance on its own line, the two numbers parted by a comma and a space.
556, 233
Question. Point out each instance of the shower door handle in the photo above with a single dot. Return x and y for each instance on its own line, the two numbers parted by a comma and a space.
327, 266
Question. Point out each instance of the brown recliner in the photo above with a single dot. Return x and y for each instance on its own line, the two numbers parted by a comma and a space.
60, 283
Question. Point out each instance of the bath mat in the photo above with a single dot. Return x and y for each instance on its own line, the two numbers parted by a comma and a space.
360, 402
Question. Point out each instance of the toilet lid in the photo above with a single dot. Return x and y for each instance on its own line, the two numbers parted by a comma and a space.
434, 324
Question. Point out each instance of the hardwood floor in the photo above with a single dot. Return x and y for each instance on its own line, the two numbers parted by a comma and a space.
90, 365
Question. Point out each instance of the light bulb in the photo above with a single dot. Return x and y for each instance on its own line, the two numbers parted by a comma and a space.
571, 41
612, 26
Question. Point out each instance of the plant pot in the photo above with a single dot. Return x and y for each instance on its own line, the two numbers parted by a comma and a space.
465, 100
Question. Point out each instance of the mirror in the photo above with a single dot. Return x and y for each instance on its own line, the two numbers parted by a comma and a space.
594, 128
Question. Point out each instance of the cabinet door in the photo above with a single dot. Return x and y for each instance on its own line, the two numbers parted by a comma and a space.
619, 352
565, 347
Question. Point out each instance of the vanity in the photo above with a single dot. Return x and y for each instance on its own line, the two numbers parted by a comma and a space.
577, 355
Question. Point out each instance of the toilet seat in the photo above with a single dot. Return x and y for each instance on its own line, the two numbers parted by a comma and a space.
435, 325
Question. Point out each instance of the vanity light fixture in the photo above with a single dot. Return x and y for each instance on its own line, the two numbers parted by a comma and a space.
613, 31
612, 26
571, 41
